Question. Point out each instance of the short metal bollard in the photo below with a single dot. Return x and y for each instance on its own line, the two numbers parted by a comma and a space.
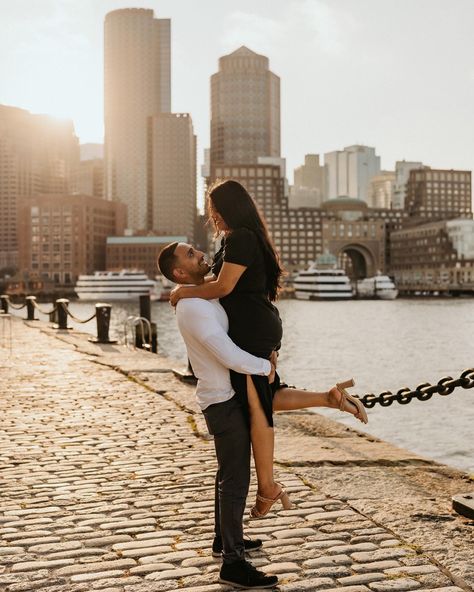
30, 308
154, 338
4, 301
61, 305
103, 312
53, 316
145, 306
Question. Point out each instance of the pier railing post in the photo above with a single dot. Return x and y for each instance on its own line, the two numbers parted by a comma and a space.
142, 335
145, 306
30, 308
103, 312
154, 338
4, 301
61, 305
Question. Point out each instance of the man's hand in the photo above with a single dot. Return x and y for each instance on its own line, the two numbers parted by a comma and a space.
175, 295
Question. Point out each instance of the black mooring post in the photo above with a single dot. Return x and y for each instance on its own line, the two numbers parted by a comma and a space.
61, 306
53, 316
103, 312
142, 338
154, 338
4, 300
145, 306
30, 308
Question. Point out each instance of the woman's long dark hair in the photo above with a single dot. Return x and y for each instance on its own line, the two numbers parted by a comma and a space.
238, 210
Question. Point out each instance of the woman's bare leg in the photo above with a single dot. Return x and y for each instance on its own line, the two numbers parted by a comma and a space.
262, 436
287, 399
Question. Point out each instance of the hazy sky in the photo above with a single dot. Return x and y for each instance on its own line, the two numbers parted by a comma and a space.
394, 74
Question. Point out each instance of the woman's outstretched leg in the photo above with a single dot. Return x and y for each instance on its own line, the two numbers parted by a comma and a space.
287, 399
262, 436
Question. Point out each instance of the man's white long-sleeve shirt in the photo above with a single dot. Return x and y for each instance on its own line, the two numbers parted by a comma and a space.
204, 325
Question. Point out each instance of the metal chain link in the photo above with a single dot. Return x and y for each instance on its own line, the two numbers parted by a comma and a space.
63, 304
422, 392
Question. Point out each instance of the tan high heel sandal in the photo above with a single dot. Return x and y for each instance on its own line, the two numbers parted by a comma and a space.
283, 497
345, 396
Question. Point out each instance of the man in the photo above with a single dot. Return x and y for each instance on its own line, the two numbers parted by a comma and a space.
204, 325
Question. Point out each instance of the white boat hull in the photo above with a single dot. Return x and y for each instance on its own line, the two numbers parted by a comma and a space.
387, 294
98, 295
380, 287
313, 295
116, 285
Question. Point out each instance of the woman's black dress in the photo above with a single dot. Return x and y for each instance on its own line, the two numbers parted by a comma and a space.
254, 323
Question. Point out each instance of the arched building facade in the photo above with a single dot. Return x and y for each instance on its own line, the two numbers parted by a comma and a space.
357, 239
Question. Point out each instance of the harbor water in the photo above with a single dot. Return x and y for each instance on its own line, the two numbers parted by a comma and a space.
383, 345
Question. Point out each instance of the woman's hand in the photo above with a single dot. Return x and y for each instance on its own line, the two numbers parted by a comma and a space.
273, 362
175, 295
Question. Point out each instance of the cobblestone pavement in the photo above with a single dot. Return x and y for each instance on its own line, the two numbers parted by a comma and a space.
104, 485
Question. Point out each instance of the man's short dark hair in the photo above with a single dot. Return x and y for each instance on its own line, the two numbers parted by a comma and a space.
167, 261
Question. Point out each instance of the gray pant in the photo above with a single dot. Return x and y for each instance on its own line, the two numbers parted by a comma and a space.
228, 424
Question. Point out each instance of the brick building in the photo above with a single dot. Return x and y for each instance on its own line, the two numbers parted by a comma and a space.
438, 256
62, 236
137, 252
436, 194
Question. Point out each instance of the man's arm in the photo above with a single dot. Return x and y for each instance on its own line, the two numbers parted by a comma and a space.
202, 324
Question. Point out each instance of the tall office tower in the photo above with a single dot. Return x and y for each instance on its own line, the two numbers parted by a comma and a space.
402, 172
307, 190
89, 179
137, 86
349, 171
245, 109
381, 190
91, 151
38, 154
172, 175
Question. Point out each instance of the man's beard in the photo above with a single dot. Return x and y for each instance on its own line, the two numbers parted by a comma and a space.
203, 269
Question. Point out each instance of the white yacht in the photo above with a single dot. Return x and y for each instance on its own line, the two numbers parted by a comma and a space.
115, 285
379, 286
323, 281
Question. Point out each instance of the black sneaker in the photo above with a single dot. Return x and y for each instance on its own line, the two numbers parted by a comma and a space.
243, 574
249, 546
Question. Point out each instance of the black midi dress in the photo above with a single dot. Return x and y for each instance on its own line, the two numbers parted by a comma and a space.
254, 322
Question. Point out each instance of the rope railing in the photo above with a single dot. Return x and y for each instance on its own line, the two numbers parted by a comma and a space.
44, 312
74, 318
60, 313
20, 307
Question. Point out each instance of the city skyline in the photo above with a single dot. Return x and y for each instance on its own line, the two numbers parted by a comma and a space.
397, 76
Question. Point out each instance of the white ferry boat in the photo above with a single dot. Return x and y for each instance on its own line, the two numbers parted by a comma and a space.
115, 285
323, 281
379, 286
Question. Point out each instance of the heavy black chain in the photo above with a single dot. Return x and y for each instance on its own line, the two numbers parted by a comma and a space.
422, 392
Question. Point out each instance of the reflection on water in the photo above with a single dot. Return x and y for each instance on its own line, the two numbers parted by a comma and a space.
383, 345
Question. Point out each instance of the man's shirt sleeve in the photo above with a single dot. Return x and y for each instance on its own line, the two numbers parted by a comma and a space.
200, 323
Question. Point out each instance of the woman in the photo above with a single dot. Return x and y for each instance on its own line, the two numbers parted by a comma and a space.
246, 280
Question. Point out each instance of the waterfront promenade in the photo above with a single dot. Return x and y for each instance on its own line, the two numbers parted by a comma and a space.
106, 483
